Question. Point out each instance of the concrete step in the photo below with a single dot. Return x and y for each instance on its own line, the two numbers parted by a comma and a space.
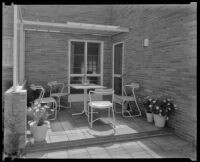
96, 141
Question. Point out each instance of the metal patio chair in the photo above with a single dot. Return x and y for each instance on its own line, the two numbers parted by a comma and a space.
100, 104
45, 100
128, 96
57, 91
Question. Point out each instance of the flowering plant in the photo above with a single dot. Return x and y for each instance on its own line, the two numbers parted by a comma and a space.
148, 104
38, 113
163, 106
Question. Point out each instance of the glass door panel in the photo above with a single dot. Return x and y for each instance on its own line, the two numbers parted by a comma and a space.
93, 58
77, 58
118, 85
117, 60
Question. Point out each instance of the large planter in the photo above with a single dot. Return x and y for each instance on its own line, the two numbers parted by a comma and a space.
159, 120
149, 117
39, 132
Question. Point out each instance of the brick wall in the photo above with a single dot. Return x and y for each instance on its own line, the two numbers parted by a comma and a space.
46, 57
96, 14
168, 64
14, 119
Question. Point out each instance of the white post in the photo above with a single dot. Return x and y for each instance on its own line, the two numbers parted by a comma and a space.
21, 58
15, 49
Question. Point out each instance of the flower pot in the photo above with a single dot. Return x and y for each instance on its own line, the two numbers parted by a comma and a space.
39, 132
149, 117
159, 120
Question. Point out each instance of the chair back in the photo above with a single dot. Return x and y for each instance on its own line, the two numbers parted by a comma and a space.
101, 92
42, 91
128, 90
56, 87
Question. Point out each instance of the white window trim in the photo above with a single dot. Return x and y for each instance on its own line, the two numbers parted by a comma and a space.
85, 54
113, 59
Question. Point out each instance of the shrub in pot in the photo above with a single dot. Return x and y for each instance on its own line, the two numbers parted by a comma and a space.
39, 124
162, 108
147, 102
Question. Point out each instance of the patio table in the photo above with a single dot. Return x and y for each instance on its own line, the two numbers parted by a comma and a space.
85, 87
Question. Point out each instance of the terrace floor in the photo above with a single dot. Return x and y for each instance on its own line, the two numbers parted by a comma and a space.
68, 127
71, 137
169, 146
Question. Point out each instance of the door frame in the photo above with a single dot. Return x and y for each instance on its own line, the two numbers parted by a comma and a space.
113, 59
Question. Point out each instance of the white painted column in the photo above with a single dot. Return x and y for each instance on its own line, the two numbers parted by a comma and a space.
15, 49
21, 59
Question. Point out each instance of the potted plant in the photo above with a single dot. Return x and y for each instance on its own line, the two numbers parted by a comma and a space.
162, 109
147, 102
39, 124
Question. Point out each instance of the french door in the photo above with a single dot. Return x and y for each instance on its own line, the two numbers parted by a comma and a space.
117, 81
85, 61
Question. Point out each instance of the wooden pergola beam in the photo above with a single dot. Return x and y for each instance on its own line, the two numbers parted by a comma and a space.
72, 25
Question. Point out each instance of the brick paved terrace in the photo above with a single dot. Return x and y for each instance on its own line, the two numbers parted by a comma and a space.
68, 127
169, 146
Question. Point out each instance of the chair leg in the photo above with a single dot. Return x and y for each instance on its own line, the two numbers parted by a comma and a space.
91, 121
113, 115
139, 114
117, 112
54, 104
123, 111
55, 111
88, 114
59, 103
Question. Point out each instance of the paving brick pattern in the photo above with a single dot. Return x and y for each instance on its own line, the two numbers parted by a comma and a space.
146, 148
68, 127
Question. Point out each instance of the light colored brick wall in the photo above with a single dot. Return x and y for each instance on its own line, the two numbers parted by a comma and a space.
168, 64
95, 14
7, 20
46, 57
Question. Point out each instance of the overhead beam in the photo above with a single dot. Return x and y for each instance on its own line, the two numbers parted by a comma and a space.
69, 32
78, 26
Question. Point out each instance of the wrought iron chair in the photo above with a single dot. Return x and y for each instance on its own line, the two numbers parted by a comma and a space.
95, 103
57, 91
45, 100
128, 96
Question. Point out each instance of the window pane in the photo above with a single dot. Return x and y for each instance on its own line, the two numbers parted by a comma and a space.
93, 58
77, 58
75, 80
118, 59
94, 80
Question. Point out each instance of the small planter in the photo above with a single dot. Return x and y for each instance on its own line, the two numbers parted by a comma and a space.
149, 117
159, 120
39, 132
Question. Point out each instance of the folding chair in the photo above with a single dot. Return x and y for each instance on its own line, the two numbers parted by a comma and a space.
45, 100
102, 104
128, 96
57, 91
